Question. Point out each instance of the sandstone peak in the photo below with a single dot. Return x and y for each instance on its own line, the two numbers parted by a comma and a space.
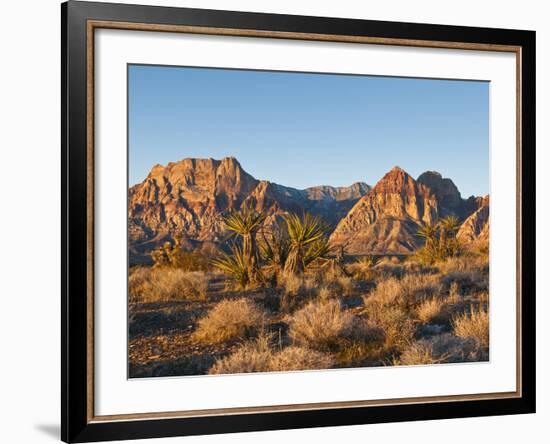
397, 180
447, 193
189, 198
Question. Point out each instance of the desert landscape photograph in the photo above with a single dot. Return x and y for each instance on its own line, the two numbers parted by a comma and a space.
282, 221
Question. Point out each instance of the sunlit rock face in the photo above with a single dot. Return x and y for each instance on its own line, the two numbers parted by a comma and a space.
387, 219
189, 199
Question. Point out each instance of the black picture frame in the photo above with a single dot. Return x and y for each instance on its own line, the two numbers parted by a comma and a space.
76, 423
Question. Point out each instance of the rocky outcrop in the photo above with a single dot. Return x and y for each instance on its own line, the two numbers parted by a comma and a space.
475, 229
190, 197
446, 192
387, 219
333, 203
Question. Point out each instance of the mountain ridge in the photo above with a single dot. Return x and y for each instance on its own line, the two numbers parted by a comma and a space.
189, 197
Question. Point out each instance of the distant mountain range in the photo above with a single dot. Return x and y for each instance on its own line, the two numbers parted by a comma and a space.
189, 198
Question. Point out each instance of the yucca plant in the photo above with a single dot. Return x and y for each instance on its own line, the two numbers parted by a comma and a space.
429, 233
245, 223
430, 252
448, 228
235, 265
307, 241
274, 248
440, 240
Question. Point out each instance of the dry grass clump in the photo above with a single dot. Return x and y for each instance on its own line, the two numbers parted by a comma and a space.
311, 282
455, 294
257, 356
430, 309
467, 280
474, 324
166, 284
442, 348
229, 319
324, 294
409, 289
320, 324
252, 356
418, 353
394, 322
299, 358
389, 267
291, 283
465, 263
457, 349
363, 268
346, 285
329, 276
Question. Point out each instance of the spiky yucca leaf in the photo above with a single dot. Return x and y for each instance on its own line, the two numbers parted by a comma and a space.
235, 265
320, 249
245, 221
308, 241
304, 230
428, 232
275, 246
450, 224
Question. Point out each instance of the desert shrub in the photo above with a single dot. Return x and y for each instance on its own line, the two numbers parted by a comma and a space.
418, 353
346, 285
482, 296
363, 268
252, 356
320, 324
311, 282
397, 327
442, 348
407, 290
192, 261
363, 330
464, 263
229, 319
296, 284
467, 280
138, 283
331, 275
385, 267
412, 266
299, 358
429, 309
324, 294
292, 283
258, 356
457, 349
474, 324
454, 292
173, 255
165, 284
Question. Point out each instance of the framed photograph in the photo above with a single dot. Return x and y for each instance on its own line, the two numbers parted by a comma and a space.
275, 221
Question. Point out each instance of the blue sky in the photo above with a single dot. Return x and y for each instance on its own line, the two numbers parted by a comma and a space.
303, 129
